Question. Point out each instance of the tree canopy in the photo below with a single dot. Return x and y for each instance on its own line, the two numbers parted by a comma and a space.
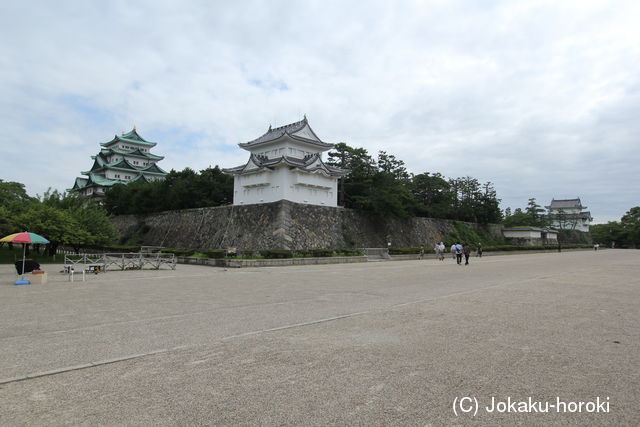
179, 190
62, 218
383, 186
533, 216
625, 233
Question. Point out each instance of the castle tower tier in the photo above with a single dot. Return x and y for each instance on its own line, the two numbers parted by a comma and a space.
126, 158
286, 164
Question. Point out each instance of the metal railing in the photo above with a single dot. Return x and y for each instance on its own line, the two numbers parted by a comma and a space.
123, 261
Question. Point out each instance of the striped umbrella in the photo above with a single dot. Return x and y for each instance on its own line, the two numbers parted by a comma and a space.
25, 238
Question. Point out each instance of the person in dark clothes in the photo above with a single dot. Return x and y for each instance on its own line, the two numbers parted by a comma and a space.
479, 250
466, 250
458, 250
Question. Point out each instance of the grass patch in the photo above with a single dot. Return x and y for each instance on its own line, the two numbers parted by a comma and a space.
11, 255
462, 233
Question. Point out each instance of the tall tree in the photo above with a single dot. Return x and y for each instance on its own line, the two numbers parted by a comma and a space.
14, 197
433, 195
536, 212
631, 224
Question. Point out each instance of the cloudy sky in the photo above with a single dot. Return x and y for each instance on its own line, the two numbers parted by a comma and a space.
542, 98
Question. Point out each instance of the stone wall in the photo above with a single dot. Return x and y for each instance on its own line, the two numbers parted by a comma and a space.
282, 225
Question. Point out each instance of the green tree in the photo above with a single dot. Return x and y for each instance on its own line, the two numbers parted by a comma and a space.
57, 225
607, 234
536, 212
519, 220
356, 187
179, 190
14, 197
630, 223
6, 224
433, 195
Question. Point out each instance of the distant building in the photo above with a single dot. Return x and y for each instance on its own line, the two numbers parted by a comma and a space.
530, 236
286, 164
569, 214
126, 158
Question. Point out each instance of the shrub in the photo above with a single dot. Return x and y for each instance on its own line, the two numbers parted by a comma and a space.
178, 251
215, 253
350, 252
114, 248
462, 233
277, 253
321, 252
408, 251
304, 253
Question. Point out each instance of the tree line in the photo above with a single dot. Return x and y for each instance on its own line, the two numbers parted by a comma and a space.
379, 185
179, 190
383, 186
533, 215
64, 219
620, 234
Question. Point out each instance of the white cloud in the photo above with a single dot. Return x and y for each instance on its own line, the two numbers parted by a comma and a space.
538, 97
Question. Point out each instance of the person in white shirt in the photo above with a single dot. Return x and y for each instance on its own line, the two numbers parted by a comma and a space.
439, 248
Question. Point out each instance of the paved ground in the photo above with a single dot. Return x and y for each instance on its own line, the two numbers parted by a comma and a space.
365, 344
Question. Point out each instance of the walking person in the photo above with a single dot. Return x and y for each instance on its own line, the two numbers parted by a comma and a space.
459, 253
479, 250
453, 251
441, 250
466, 250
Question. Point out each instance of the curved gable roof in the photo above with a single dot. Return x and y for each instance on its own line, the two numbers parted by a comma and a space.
130, 137
311, 163
300, 131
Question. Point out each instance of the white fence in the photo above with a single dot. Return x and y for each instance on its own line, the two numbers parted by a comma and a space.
122, 261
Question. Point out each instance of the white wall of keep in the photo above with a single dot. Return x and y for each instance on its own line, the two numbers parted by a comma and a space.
285, 148
137, 162
116, 174
281, 184
580, 225
566, 211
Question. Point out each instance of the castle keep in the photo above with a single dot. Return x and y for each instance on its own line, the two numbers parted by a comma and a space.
126, 158
286, 164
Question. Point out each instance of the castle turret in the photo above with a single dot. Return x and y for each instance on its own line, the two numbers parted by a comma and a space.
126, 158
286, 164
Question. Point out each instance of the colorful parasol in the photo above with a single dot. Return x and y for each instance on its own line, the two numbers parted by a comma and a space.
25, 238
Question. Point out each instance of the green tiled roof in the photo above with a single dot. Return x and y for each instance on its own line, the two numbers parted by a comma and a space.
101, 180
122, 165
134, 153
140, 177
131, 137
79, 183
153, 169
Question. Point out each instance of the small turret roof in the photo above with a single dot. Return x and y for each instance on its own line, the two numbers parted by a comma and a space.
311, 163
299, 131
565, 204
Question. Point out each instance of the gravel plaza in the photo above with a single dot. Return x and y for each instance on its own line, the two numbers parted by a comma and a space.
415, 342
